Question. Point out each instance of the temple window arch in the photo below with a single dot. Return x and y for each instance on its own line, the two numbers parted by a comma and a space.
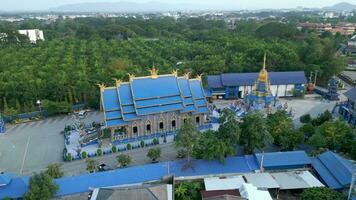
134, 129
173, 123
161, 124
148, 126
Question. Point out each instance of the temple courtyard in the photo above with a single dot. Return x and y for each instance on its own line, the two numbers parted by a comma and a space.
30, 147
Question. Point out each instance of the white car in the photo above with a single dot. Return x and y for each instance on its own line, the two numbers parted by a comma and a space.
82, 114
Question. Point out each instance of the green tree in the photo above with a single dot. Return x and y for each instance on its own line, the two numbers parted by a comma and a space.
305, 118
279, 124
229, 132
41, 186
321, 193
54, 170
154, 154
84, 155
254, 132
290, 140
336, 135
123, 160
187, 137
91, 165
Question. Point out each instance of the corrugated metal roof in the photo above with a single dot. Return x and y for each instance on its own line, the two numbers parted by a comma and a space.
283, 159
5, 178
335, 171
247, 79
137, 174
351, 94
225, 183
296, 180
261, 180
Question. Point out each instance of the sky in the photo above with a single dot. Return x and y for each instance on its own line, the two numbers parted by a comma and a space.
31, 5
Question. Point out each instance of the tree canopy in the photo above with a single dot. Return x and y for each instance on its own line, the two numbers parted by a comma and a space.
41, 186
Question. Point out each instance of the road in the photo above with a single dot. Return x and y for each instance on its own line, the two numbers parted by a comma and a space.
138, 157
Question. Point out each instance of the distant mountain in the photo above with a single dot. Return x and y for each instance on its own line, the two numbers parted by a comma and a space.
344, 6
133, 7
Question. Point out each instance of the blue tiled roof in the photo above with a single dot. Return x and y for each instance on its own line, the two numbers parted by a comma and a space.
145, 95
351, 94
283, 159
246, 79
110, 98
335, 171
145, 88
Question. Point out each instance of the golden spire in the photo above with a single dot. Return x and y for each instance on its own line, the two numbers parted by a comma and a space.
263, 76
187, 75
154, 72
101, 86
175, 72
264, 62
131, 76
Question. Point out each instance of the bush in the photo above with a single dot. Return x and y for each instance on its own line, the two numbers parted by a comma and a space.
181, 153
308, 129
305, 119
128, 146
124, 160
69, 157
155, 141
318, 193
154, 154
67, 128
54, 108
113, 149
84, 155
99, 152
142, 144
106, 133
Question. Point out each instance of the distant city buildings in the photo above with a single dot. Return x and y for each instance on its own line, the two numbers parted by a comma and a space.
33, 34
342, 28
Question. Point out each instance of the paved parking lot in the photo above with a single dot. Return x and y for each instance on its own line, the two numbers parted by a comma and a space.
29, 147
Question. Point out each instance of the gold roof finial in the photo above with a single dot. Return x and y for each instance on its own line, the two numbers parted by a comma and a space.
154, 72
131, 76
175, 72
117, 82
263, 76
187, 75
199, 76
101, 86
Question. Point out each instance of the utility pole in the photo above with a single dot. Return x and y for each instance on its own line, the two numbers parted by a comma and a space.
352, 182
316, 74
262, 157
310, 77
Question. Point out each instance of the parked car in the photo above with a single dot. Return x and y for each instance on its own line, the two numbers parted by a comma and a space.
82, 114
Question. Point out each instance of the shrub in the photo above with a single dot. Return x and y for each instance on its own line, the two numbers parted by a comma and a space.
84, 155
142, 143
305, 118
99, 152
181, 153
317, 193
113, 149
154, 154
69, 157
124, 160
128, 146
155, 141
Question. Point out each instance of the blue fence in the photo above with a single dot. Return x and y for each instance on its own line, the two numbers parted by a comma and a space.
29, 115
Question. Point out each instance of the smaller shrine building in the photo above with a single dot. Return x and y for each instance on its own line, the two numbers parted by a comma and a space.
153, 105
237, 85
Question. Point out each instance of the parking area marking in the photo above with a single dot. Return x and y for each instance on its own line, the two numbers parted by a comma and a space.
24, 155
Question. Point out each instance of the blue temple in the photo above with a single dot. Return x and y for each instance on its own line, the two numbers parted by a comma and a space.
153, 104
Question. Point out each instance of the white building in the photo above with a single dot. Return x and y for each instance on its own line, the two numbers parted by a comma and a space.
33, 34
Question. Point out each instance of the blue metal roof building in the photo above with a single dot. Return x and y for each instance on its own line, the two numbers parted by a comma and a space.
283, 160
335, 171
151, 172
236, 84
153, 104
